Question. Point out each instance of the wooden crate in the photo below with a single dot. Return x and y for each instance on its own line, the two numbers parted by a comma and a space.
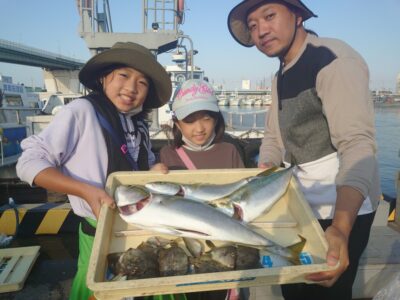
290, 209
15, 265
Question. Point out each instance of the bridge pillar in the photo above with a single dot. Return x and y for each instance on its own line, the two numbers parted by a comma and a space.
61, 81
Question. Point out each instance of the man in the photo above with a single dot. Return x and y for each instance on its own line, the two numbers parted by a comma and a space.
322, 119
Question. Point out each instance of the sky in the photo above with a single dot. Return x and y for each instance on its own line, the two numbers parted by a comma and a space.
370, 27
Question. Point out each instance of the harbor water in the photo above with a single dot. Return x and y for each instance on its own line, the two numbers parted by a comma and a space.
387, 122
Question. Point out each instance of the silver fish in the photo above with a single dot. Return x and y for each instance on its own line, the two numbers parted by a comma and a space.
185, 218
256, 197
202, 192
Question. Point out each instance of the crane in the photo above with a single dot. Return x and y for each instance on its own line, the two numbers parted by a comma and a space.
160, 28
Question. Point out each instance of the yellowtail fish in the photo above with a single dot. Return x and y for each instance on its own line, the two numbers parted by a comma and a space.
256, 197
203, 192
182, 217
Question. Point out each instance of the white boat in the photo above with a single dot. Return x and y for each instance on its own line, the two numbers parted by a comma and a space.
16, 104
258, 102
248, 102
53, 102
236, 101
223, 100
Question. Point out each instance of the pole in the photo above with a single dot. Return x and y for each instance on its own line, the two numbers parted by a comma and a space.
192, 56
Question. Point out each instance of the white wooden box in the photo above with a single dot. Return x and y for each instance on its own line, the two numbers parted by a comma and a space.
290, 209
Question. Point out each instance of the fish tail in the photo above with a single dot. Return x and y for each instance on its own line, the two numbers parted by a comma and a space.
296, 249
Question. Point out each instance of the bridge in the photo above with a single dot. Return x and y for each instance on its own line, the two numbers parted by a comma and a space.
60, 72
11, 52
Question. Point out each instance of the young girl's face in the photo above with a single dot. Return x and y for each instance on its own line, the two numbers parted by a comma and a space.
198, 127
127, 88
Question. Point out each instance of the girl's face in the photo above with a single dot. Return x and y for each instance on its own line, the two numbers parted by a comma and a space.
126, 87
198, 127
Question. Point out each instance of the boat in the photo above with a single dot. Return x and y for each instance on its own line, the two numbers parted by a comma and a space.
16, 104
385, 98
248, 101
258, 102
236, 101
223, 100
55, 101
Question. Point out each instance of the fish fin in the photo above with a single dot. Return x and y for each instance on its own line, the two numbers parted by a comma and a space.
267, 171
294, 164
190, 245
221, 202
296, 249
210, 244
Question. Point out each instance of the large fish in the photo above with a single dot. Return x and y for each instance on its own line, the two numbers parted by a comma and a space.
256, 197
186, 218
203, 192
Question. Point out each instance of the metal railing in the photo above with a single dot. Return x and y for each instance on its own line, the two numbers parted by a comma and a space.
230, 124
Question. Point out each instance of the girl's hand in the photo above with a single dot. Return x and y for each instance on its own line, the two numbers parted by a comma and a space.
96, 197
160, 167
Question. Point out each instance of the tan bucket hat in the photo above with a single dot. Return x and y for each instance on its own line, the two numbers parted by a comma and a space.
137, 57
237, 19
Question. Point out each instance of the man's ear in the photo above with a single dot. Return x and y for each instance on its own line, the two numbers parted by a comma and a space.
299, 20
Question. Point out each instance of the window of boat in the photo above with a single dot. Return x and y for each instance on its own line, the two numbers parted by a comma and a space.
14, 100
68, 100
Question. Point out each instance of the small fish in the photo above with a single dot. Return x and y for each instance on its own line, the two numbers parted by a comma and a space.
133, 263
186, 218
226, 258
243, 257
225, 255
247, 258
113, 263
173, 261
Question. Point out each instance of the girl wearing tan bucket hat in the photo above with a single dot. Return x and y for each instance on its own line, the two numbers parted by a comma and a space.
96, 135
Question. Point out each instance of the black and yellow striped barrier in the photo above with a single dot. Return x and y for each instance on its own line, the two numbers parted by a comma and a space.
36, 219
392, 207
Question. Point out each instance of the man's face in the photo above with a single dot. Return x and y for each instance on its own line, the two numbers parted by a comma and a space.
272, 28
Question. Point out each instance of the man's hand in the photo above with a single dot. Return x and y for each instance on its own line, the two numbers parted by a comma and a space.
337, 253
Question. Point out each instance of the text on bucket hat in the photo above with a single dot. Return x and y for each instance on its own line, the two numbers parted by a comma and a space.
134, 56
194, 95
237, 18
